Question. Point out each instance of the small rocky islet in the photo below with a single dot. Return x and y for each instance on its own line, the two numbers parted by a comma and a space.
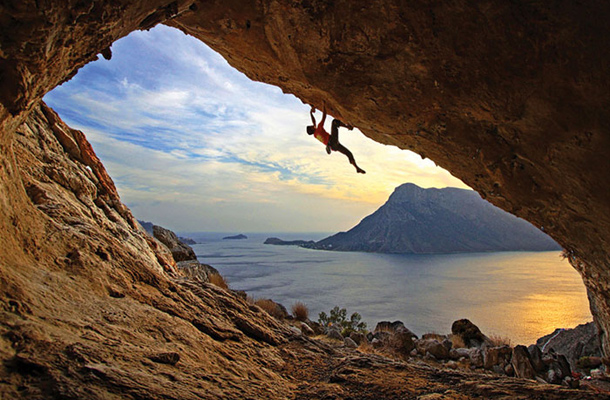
240, 236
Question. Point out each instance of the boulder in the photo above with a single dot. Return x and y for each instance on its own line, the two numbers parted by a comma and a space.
433, 347
180, 251
194, 270
564, 366
358, 337
334, 334
557, 366
401, 342
536, 359
387, 326
496, 356
306, 329
350, 343
458, 353
552, 376
571, 382
476, 357
522, 364
469, 333
582, 341
317, 328
382, 335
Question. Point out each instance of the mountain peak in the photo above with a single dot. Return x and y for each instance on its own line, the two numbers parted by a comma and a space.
448, 220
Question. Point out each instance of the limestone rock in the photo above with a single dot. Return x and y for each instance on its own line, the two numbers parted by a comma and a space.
391, 327
350, 343
433, 347
536, 359
496, 356
468, 332
522, 364
581, 341
476, 357
306, 329
334, 334
195, 270
358, 337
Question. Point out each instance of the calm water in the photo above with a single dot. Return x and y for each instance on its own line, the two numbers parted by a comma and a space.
519, 295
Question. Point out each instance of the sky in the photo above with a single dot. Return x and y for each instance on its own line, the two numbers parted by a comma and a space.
194, 145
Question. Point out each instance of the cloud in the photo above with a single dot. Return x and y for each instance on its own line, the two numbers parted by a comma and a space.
194, 144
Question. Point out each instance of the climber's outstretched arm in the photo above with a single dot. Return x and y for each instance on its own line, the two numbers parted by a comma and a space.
323, 115
313, 119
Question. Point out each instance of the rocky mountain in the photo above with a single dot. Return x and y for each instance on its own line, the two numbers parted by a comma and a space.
148, 226
450, 220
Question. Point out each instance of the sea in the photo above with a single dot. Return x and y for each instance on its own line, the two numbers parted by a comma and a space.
519, 296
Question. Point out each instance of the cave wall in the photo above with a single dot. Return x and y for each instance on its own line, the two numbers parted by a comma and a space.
510, 97
91, 307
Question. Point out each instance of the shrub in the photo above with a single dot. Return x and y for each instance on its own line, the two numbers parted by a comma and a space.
338, 316
499, 341
218, 280
435, 336
271, 307
300, 311
457, 342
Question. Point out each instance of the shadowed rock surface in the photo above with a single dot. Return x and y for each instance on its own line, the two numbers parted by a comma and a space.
511, 97
180, 250
416, 220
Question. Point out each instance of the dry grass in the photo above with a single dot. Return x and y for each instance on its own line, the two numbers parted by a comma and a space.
270, 307
218, 280
435, 336
300, 311
499, 341
457, 341
366, 347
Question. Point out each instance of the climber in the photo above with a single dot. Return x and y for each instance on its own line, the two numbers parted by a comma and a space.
331, 141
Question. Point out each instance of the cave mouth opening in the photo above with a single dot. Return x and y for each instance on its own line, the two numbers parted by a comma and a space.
196, 146
179, 129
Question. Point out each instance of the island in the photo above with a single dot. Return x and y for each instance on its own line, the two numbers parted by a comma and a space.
415, 220
240, 236
280, 242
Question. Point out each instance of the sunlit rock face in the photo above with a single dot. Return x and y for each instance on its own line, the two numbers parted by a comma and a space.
511, 97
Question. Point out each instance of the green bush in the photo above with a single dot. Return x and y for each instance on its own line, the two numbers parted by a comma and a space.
338, 316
